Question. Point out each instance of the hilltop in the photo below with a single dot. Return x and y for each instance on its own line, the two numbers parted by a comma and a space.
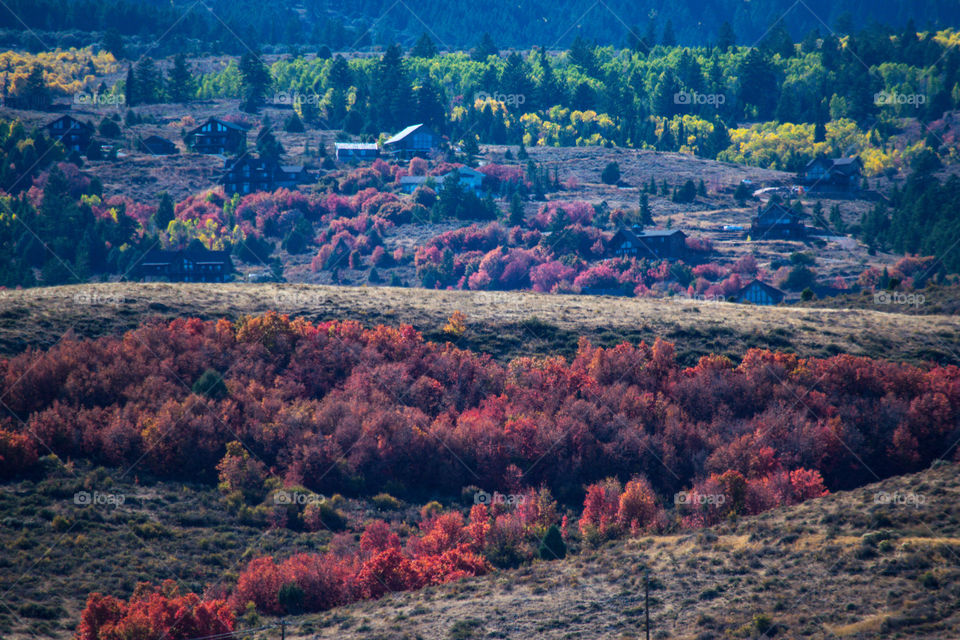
505, 324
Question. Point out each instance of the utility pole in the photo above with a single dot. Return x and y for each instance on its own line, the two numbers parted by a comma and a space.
646, 598
283, 629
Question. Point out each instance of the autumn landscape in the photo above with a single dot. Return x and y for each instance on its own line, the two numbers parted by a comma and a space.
372, 320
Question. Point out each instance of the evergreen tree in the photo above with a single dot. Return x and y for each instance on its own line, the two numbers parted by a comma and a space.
649, 38
515, 78
836, 220
340, 76
726, 37
516, 217
429, 101
164, 213
548, 91
113, 42
424, 48
391, 95
181, 85
718, 140
668, 39
267, 144
293, 123
646, 216
470, 147
522, 152
560, 220
819, 131
255, 81
758, 84
741, 193
553, 547
211, 385
611, 173
484, 49
582, 54
147, 81
684, 194
34, 94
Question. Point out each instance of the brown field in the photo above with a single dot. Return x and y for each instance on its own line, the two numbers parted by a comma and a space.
506, 324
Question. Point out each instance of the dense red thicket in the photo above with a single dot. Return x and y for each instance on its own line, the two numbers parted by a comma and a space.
337, 407
154, 613
447, 549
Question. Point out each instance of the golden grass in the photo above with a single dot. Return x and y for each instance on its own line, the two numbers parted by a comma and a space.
508, 321
870, 624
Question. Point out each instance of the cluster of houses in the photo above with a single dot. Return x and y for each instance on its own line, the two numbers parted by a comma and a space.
247, 173
76, 135
417, 140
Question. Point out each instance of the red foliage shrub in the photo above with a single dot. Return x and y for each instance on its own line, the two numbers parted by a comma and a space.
638, 506
600, 509
548, 275
699, 245
577, 212
18, 453
154, 612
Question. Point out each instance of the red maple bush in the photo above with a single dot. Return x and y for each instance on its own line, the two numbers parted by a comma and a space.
154, 613
18, 453
445, 551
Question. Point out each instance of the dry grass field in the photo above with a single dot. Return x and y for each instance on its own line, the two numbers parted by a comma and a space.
505, 324
844, 566
882, 561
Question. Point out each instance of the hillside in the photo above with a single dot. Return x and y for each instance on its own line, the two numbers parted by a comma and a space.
505, 324
841, 566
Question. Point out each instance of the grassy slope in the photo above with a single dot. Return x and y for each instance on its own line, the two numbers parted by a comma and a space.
819, 569
932, 299
504, 324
